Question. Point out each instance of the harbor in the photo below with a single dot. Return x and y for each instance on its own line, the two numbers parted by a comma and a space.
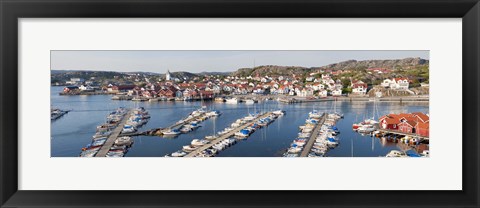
227, 135
89, 111
316, 131
113, 137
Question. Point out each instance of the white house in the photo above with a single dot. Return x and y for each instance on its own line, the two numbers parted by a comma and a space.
318, 86
359, 88
396, 83
322, 93
337, 92
306, 92
292, 92
86, 88
402, 83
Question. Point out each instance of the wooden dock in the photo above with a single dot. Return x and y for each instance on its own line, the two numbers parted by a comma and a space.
226, 136
178, 125
384, 131
313, 137
158, 131
113, 137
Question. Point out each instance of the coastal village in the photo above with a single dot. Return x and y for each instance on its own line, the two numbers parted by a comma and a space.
316, 137
321, 84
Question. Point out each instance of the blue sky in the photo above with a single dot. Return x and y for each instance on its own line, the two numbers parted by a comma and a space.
218, 61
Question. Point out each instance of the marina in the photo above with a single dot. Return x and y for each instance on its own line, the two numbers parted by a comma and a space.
227, 135
113, 137
78, 126
316, 131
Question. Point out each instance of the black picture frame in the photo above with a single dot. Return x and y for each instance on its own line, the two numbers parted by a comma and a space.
11, 10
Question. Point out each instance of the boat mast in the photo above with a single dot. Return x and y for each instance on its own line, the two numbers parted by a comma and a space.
214, 123
373, 112
352, 146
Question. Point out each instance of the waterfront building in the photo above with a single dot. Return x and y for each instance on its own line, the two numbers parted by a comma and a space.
86, 88
359, 87
337, 92
416, 123
396, 83
70, 89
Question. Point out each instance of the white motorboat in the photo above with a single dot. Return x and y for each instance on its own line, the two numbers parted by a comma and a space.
243, 133
189, 148
250, 117
314, 114
99, 142
179, 154
211, 137
171, 132
128, 129
185, 129
365, 129
115, 154
125, 140
89, 153
198, 142
318, 152
294, 149
232, 100
396, 153
213, 113
331, 141
218, 146
304, 135
279, 112
250, 101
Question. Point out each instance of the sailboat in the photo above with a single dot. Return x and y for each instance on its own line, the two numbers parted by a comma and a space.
367, 125
335, 109
210, 137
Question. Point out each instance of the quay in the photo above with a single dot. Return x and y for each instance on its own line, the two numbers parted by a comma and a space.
115, 133
226, 136
355, 99
313, 137
386, 131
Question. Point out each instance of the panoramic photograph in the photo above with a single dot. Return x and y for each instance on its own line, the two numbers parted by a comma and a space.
216, 103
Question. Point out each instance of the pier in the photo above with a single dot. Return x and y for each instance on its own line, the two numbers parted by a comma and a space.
386, 131
226, 136
178, 125
158, 131
312, 138
113, 137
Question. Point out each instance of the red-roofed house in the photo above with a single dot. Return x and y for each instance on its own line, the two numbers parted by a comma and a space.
359, 88
407, 126
206, 94
396, 83
417, 123
423, 129
421, 117
388, 122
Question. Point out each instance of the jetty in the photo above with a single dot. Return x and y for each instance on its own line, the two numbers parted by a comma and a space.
158, 131
178, 125
113, 137
227, 135
390, 131
315, 133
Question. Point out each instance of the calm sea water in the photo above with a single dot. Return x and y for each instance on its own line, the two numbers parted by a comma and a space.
74, 130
